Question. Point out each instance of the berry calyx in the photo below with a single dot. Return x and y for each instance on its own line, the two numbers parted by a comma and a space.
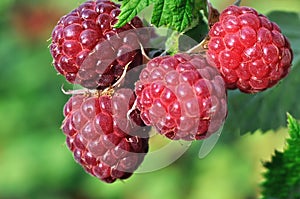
107, 138
249, 50
182, 96
88, 50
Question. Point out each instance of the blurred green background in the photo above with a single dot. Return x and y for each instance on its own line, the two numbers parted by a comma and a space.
34, 160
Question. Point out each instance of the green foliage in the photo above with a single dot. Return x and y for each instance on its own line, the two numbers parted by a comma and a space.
178, 15
283, 172
130, 8
266, 110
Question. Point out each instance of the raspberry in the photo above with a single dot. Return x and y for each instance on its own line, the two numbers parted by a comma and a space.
103, 140
182, 97
249, 50
89, 51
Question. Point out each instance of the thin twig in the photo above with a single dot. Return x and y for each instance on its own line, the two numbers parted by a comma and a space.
131, 109
199, 48
144, 53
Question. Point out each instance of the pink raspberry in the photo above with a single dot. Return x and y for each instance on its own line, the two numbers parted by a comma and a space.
249, 50
89, 51
106, 140
182, 97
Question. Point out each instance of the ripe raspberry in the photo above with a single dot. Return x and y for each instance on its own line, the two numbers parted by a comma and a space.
103, 140
249, 50
182, 96
87, 50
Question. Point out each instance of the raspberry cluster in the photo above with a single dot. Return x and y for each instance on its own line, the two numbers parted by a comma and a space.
88, 50
183, 96
249, 50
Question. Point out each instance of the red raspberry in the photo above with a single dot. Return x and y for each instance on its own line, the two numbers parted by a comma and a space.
103, 140
182, 96
87, 50
249, 50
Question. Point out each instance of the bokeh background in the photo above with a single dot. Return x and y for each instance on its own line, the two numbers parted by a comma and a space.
34, 160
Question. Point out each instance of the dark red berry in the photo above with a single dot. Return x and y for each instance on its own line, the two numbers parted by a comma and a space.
182, 97
88, 50
106, 139
249, 50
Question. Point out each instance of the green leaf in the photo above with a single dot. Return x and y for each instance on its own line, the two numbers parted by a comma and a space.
282, 179
266, 110
175, 15
178, 14
130, 8
293, 127
159, 16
